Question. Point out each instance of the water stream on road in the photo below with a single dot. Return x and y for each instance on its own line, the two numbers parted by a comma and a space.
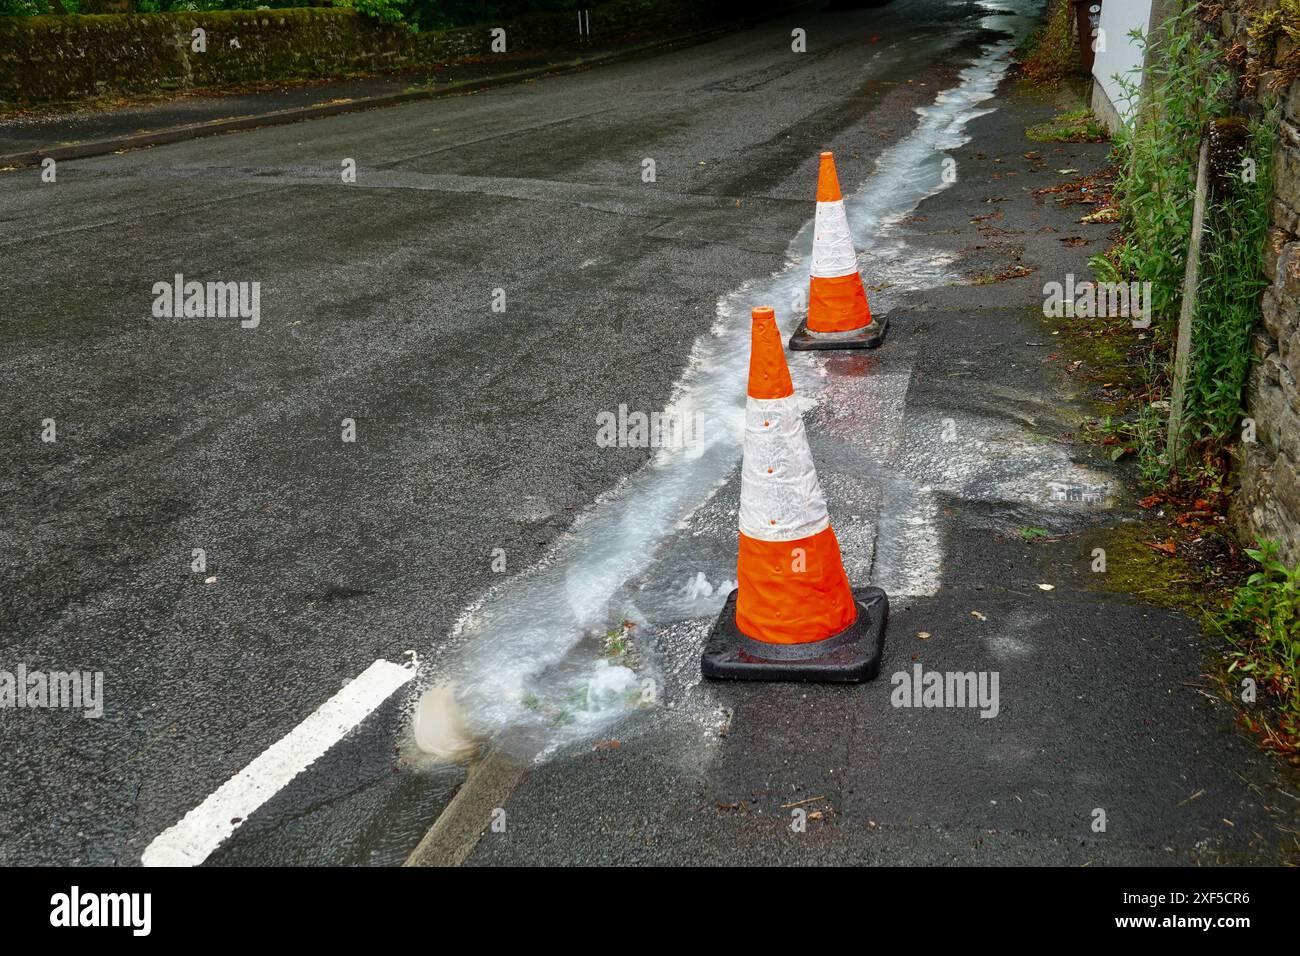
512, 663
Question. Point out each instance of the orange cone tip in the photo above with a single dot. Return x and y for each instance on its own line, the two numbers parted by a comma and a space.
837, 300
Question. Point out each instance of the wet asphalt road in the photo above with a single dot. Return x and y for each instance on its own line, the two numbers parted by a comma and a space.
475, 432
474, 428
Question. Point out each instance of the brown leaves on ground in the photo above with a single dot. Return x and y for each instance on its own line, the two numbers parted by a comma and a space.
1087, 190
1185, 502
1283, 741
1191, 508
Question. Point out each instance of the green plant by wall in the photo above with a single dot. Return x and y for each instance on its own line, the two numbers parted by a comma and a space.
1156, 158
1263, 627
1156, 161
1228, 294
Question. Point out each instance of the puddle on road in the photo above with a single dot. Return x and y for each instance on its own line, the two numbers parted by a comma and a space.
531, 657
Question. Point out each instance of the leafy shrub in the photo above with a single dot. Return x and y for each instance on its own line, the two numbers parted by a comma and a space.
23, 8
385, 11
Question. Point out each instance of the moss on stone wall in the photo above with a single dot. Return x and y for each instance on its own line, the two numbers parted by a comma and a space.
52, 59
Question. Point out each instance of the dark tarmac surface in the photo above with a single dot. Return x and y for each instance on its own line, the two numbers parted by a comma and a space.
475, 432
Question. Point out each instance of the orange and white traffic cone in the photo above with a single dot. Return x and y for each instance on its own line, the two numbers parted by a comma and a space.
839, 316
793, 615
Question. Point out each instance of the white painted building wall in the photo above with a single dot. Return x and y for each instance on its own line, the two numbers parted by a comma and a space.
1118, 53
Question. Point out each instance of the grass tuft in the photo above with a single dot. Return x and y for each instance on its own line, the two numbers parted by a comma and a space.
1074, 126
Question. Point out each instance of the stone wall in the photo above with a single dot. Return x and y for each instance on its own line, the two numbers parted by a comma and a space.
1267, 503
56, 59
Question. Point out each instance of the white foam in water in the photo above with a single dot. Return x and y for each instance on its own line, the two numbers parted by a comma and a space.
610, 686
517, 646
697, 587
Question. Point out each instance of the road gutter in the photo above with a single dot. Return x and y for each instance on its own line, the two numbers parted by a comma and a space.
460, 826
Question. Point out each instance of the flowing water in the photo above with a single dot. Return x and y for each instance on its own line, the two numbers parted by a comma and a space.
532, 656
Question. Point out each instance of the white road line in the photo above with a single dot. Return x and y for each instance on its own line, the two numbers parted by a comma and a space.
202, 830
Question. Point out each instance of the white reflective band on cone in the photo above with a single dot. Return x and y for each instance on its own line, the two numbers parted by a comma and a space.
786, 504
833, 254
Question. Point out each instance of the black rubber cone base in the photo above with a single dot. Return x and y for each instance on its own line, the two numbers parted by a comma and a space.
849, 657
872, 337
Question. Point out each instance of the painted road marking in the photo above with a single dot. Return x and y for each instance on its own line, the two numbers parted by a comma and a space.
190, 841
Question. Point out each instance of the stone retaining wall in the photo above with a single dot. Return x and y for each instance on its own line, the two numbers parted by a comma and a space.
56, 59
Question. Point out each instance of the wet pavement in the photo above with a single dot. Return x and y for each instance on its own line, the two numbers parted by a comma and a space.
476, 443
